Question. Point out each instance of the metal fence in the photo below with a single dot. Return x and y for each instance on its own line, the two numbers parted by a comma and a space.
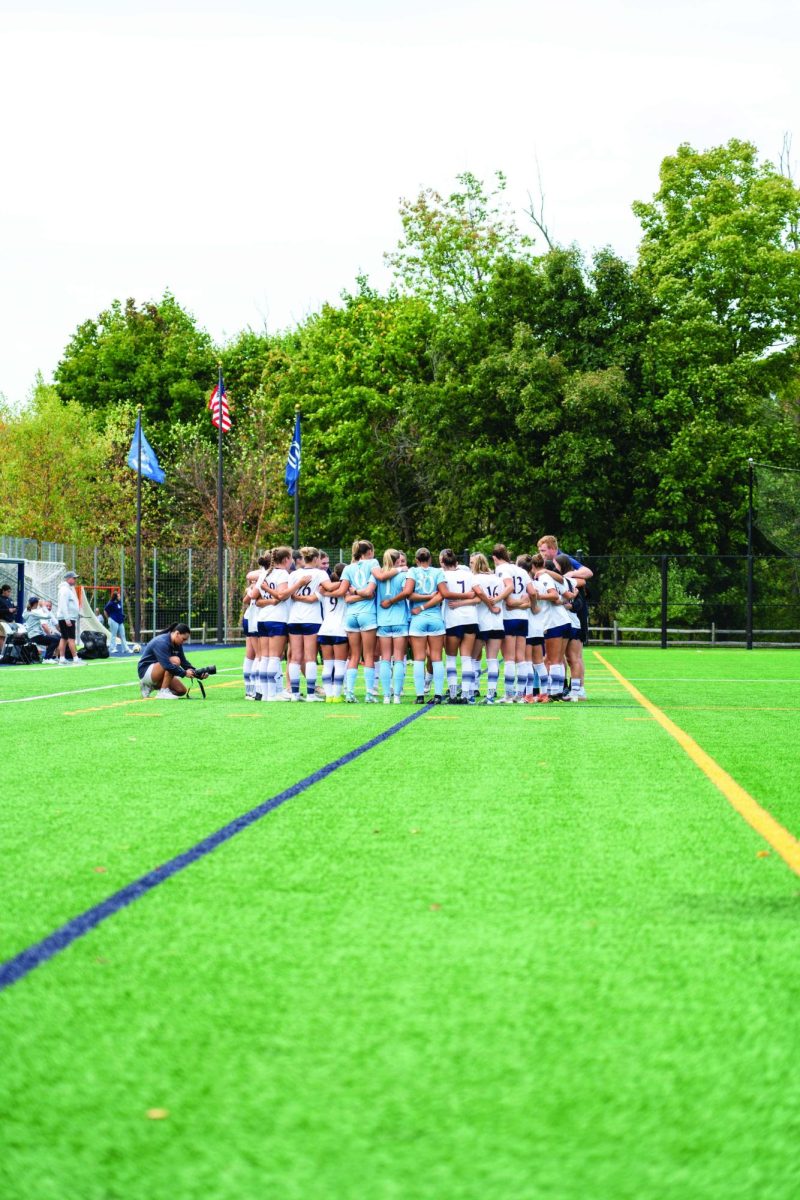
177, 585
665, 599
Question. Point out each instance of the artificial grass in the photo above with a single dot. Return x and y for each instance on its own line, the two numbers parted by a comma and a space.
499, 955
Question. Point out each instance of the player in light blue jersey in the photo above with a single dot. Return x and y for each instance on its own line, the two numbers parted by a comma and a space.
393, 619
361, 621
423, 589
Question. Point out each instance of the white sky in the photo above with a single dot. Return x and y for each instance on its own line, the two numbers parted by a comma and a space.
250, 156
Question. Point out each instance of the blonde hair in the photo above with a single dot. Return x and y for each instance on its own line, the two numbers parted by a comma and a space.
391, 558
278, 555
308, 554
479, 565
362, 548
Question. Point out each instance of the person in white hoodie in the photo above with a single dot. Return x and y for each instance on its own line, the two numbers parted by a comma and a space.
67, 612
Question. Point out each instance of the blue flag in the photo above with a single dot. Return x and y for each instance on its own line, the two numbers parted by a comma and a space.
293, 461
150, 467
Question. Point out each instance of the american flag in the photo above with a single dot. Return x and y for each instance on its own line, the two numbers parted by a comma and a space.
218, 402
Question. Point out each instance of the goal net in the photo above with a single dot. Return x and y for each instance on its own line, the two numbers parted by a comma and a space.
776, 506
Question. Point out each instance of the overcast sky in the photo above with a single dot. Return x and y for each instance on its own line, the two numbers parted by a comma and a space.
251, 157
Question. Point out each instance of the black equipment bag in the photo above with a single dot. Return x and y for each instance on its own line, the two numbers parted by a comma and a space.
95, 645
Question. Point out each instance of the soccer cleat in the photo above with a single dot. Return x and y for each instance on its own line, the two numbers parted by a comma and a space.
542, 698
530, 699
371, 698
420, 700
336, 699
319, 691
249, 696
313, 698
438, 699
505, 700
350, 699
395, 699
470, 700
489, 700
145, 689
387, 699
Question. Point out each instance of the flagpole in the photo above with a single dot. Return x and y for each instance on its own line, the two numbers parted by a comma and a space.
220, 551
138, 607
297, 498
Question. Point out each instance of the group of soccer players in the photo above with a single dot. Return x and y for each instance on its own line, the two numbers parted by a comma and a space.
529, 612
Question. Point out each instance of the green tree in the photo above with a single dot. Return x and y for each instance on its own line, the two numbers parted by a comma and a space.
62, 479
153, 355
719, 259
451, 244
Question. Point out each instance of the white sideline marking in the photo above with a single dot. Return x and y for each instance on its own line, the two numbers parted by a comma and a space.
105, 687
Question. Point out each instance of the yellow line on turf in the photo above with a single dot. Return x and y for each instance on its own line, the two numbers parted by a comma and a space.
757, 817
78, 712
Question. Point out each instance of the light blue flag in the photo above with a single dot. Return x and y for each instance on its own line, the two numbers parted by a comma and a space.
293, 461
150, 467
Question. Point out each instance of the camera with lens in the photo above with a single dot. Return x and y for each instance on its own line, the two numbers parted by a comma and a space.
204, 672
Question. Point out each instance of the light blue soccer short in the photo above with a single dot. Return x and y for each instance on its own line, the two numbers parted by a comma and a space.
393, 630
360, 622
427, 622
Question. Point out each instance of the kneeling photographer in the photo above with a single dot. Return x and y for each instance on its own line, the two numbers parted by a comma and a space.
163, 666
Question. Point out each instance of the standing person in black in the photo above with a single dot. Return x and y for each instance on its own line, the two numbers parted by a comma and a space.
8, 613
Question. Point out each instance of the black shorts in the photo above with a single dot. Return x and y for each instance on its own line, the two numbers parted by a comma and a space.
488, 635
460, 630
67, 629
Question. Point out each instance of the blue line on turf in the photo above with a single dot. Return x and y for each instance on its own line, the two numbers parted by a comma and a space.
27, 960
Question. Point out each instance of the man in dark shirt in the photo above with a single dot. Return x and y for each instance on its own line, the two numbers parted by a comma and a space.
8, 613
163, 665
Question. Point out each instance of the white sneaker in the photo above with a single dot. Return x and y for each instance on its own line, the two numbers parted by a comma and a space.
249, 696
76, 662
387, 699
505, 700
284, 695
166, 694
395, 699
314, 699
62, 662
145, 689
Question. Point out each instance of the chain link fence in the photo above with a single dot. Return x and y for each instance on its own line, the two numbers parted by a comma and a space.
666, 599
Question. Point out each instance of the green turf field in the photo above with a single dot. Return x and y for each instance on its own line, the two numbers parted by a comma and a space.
506, 954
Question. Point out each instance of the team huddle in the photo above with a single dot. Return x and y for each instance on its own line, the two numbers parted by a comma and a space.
530, 613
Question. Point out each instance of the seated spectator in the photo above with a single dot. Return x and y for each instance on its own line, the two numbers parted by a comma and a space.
8, 614
39, 631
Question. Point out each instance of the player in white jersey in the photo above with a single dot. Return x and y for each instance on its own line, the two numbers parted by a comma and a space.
251, 665
303, 623
273, 633
516, 601
573, 647
487, 587
461, 626
535, 674
555, 625
332, 637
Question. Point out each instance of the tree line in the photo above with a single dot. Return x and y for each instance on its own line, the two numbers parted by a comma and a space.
491, 390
